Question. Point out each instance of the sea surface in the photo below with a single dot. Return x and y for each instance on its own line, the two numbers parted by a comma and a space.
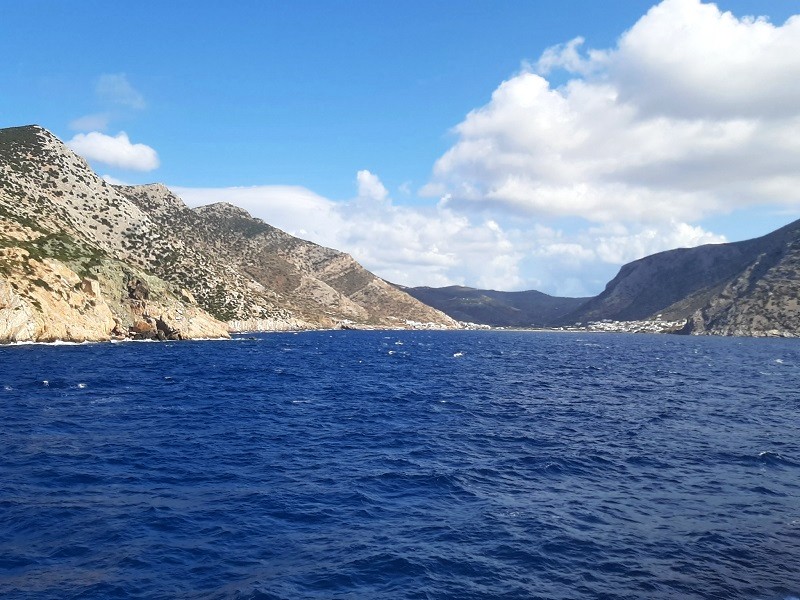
402, 465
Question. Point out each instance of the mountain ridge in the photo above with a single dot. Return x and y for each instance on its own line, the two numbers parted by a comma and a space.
529, 308
738, 288
57, 215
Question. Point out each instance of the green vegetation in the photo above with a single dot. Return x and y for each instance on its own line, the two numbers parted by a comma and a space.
15, 143
80, 257
28, 222
216, 303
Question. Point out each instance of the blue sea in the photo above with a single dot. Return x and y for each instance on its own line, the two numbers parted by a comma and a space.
397, 464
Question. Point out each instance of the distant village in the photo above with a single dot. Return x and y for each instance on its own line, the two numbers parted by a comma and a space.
606, 325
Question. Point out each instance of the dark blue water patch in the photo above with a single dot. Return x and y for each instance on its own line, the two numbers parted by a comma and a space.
402, 465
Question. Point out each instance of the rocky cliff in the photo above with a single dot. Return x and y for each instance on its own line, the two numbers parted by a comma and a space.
65, 273
762, 300
84, 260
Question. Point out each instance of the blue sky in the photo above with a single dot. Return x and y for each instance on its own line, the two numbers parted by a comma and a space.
347, 122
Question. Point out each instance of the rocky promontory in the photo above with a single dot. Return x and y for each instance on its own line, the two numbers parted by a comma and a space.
52, 287
83, 260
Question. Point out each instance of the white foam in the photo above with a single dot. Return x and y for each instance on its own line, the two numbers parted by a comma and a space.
53, 343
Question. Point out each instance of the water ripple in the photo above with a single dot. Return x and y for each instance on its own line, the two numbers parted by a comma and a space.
402, 465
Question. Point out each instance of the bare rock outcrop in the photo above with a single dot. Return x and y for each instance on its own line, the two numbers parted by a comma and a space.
43, 297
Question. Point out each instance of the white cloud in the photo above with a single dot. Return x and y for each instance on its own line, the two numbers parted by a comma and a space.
369, 186
117, 151
114, 181
691, 60
694, 113
115, 89
567, 56
580, 263
117, 96
296, 210
412, 246
618, 245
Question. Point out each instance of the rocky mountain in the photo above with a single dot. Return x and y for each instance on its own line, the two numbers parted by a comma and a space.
288, 281
742, 288
84, 260
498, 309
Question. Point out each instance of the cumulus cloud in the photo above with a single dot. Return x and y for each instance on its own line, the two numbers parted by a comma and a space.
690, 60
695, 112
617, 244
567, 56
369, 186
580, 263
116, 151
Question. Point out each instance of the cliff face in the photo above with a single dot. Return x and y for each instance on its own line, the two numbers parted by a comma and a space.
65, 268
762, 300
53, 287
81, 259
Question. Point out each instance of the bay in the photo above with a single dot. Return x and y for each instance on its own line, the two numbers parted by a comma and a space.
402, 465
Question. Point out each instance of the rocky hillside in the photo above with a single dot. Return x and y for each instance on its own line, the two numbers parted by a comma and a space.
311, 285
743, 288
81, 259
498, 309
